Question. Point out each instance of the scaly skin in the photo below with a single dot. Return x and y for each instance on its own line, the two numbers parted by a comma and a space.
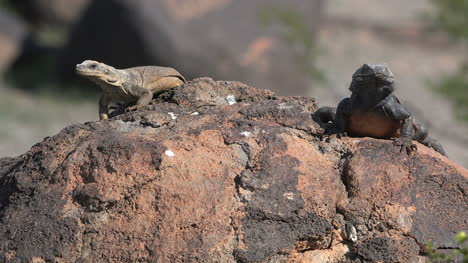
133, 85
372, 110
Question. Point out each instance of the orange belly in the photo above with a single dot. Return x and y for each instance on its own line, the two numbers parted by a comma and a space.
372, 125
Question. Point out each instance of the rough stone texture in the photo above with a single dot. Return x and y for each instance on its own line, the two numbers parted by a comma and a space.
222, 172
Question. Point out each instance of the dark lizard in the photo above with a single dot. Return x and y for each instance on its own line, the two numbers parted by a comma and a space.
373, 110
133, 85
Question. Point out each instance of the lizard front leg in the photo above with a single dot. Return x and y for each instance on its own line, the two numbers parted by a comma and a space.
144, 97
104, 107
398, 112
338, 118
342, 111
406, 133
325, 114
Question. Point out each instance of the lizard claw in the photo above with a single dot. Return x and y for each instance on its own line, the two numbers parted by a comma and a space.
405, 144
330, 136
340, 135
131, 108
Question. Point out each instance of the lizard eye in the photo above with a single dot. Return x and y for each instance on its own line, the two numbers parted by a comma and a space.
93, 66
107, 72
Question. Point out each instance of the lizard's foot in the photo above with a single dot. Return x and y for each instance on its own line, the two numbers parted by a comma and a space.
405, 144
329, 137
103, 116
132, 108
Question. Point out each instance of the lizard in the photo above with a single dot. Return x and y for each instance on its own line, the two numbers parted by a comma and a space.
373, 110
132, 85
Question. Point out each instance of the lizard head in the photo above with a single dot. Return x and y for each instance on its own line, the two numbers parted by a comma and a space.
374, 81
97, 71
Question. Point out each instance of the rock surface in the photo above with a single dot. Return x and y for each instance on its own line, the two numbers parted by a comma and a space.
223, 172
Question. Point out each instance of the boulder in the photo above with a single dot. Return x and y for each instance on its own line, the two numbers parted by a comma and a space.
50, 12
218, 171
224, 39
13, 35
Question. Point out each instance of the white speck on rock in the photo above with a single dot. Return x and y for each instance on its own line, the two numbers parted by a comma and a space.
231, 100
172, 114
195, 113
246, 133
289, 195
169, 153
351, 232
284, 106
245, 194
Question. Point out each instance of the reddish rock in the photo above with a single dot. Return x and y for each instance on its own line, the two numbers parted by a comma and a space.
223, 172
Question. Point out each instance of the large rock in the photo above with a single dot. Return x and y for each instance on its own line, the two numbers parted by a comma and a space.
13, 35
222, 172
220, 38
47, 12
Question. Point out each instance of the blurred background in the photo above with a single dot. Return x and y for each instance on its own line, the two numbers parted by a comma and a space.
295, 47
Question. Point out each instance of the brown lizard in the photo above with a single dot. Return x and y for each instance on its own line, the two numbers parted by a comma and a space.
133, 85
